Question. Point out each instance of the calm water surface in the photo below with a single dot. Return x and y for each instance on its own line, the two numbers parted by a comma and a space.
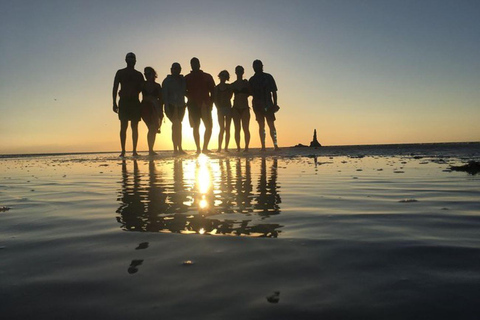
304, 234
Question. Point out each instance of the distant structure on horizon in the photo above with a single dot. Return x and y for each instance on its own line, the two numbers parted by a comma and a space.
315, 143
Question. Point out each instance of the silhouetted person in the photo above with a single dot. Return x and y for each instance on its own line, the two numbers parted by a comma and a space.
200, 87
128, 108
264, 91
222, 97
152, 113
174, 87
240, 110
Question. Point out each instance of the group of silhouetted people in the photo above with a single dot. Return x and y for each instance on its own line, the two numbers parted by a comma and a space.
201, 93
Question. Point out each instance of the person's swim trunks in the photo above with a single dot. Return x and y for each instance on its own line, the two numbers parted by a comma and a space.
129, 109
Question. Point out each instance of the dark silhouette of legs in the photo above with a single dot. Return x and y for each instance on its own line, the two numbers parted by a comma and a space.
261, 132
207, 121
228, 121
134, 126
123, 135
221, 123
273, 133
196, 136
246, 130
151, 135
236, 125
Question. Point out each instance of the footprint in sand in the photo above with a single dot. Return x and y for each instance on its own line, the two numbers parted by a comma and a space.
143, 245
133, 266
274, 298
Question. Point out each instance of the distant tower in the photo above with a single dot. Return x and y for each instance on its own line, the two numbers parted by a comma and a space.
315, 143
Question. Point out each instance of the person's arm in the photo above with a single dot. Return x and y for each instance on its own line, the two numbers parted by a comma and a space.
165, 93
215, 96
116, 82
211, 87
249, 86
273, 88
159, 92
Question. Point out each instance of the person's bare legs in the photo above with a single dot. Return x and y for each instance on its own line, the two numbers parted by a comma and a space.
151, 135
207, 121
261, 132
236, 125
134, 126
179, 137
123, 135
221, 124
246, 130
273, 133
196, 135
228, 120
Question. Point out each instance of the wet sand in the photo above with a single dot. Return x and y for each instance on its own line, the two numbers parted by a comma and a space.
303, 234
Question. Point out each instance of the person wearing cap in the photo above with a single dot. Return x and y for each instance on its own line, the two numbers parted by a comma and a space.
200, 91
128, 108
174, 100
264, 92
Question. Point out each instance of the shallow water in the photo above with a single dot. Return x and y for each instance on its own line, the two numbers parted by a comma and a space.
303, 234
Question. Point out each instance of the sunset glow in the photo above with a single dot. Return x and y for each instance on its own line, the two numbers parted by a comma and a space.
358, 72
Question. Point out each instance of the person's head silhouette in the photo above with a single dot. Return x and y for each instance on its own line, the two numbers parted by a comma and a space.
176, 69
239, 70
149, 72
130, 59
195, 64
257, 66
224, 75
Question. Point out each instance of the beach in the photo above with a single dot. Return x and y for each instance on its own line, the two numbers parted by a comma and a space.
355, 232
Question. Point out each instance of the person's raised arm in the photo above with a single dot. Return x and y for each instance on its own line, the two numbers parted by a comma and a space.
116, 82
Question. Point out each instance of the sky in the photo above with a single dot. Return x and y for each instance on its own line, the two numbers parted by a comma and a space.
358, 71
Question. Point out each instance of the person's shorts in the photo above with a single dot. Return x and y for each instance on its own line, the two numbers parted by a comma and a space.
261, 115
129, 109
170, 112
238, 114
197, 113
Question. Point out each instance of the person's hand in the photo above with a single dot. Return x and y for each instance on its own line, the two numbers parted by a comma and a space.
115, 108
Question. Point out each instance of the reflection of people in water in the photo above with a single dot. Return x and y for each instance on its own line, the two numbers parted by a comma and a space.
128, 108
179, 196
268, 198
132, 207
156, 199
152, 113
227, 187
203, 197
244, 187
160, 204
